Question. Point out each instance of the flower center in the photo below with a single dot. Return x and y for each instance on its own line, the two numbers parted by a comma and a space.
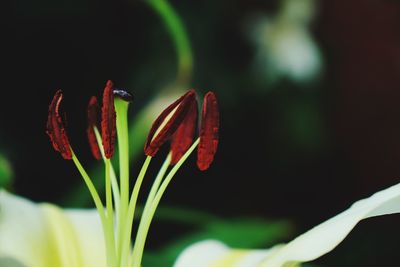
176, 124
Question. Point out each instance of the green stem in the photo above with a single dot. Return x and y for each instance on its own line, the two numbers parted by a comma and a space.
177, 32
149, 214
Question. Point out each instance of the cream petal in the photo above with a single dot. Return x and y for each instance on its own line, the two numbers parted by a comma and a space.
212, 253
44, 235
22, 232
90, 236
201, 254
307, 247
326, 236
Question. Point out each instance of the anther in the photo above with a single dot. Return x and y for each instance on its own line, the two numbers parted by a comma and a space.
55, 128
108, 120
183, 136
93, 119
208, 132
168, 122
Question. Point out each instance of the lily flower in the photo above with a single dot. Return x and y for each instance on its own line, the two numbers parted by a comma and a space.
43, 235
39, 235
307, 247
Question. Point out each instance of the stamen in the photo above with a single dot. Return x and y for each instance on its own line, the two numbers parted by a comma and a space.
183, 136
92, 113
168, 122
108, 120
55, 128
208, 132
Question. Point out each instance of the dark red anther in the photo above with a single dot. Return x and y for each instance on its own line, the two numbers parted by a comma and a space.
108, 120
208, 132
168, 122
183, 136
93, 120
55, 128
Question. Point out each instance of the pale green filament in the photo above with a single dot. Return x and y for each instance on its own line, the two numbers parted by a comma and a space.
153, 191
108, 235
90, 186
113, 177
149, 211
110, 216
156, 184
131, 212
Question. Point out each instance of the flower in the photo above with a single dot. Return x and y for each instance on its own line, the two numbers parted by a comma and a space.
306, 247
41, 235
37, 235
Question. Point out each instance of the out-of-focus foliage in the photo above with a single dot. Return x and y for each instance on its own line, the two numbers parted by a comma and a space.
6, 172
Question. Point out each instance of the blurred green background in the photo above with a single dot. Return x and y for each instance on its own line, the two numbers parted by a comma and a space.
308, 94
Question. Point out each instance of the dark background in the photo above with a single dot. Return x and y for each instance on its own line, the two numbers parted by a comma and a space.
302, 153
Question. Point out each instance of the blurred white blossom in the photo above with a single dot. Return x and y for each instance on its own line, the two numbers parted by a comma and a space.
285, 47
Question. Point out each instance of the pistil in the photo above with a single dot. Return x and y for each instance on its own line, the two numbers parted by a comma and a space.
121, 108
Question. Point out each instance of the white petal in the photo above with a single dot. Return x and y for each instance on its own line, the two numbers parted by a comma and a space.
213, 253
44, 235
22, 231
201, 254
326, 236
90, 236
307, 247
